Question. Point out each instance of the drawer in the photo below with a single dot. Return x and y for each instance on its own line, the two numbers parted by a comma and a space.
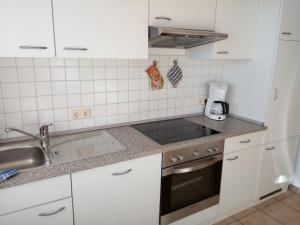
59, 212
243, 141
33, 194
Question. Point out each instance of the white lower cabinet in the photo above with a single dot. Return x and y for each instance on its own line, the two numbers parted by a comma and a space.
278, 164
239, 178
55, 213
126, 193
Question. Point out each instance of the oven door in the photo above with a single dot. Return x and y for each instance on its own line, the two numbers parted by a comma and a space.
189, 188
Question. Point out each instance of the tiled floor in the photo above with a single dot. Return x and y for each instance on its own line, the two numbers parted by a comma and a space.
281, 210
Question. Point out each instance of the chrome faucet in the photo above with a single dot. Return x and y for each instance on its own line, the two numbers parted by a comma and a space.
44, 138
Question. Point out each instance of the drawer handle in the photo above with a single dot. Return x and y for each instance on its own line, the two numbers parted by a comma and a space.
270, 149
211, 150
245, 141
53, 212
223, 53
163, 18
286, 33
233, 159
75, 49
122, 173
32, 47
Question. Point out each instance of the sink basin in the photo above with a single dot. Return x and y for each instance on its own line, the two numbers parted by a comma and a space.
21, 158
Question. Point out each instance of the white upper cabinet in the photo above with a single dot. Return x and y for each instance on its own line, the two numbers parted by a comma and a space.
238, 19
26, 28
101, 28
284, 108
190, 14
126, 193
290, 28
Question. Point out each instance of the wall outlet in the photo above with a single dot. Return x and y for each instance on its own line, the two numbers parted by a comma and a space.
81, 114
86, 113
76, 114
202, 100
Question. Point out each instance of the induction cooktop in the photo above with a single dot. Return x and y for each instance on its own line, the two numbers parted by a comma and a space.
171, 131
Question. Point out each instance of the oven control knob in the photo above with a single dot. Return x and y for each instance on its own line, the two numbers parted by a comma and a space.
174, 159
180, 157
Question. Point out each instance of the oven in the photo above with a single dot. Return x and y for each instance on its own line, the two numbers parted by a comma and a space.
192, 182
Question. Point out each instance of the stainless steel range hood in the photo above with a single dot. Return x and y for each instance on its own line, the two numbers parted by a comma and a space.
162, 37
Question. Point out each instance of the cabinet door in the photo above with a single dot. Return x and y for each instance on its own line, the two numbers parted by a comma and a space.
124, 193
277, 165
284, 107
101, 28
59, 213
238, 19
26, 28
190, 14
239, 178
289, 28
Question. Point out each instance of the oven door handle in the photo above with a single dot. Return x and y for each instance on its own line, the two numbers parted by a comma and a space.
193, 166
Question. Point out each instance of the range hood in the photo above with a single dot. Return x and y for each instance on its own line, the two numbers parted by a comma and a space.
163, 37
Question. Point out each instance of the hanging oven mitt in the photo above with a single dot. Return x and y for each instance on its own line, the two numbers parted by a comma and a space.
175, 74
156, 79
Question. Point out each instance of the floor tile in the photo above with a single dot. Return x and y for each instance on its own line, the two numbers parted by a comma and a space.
226, 221
258, 218
293, 201
235, 223
266, 203
285, 195
283, 213
245, 212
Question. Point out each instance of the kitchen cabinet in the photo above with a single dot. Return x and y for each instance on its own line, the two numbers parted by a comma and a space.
239, 179
277, 165
238, 19
26, 28
59, 212
289, 26
101, 28
124, 193
33, 194
189, 14
284, 108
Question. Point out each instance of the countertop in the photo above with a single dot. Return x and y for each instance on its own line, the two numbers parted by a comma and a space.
137, 145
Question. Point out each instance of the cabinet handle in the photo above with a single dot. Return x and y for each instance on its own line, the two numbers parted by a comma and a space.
245, 141
75, 49
32, 47
210, 150
270, 149
53, 212
122, 173
233, 159
286, 33
163, 18
223, 53
275, 94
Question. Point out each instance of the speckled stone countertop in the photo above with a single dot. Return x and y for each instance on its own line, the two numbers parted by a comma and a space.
138, 145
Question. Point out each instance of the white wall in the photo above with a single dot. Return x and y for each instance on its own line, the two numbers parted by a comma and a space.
250, 80
35, 91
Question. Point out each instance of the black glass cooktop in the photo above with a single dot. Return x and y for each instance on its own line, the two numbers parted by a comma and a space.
171, 131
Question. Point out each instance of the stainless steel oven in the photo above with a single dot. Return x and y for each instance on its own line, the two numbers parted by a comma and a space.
190, 181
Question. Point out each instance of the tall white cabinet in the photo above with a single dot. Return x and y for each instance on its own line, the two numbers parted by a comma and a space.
282, 137
125, 193
101, 28
26, 28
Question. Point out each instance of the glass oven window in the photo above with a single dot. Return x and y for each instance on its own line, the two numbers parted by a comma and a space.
181, 190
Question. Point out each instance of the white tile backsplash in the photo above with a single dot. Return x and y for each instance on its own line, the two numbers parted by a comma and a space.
35, 91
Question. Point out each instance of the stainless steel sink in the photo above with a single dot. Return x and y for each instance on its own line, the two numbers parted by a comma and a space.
21, 158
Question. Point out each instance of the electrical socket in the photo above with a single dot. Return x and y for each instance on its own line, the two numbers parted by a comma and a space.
80, 114
202, 100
